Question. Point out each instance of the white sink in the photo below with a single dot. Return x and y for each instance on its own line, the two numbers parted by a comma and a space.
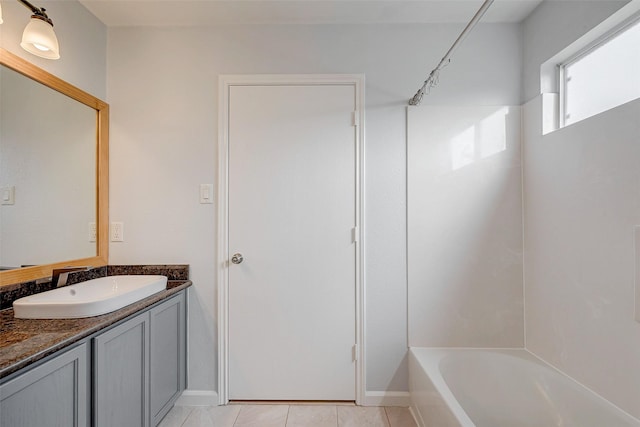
90, 298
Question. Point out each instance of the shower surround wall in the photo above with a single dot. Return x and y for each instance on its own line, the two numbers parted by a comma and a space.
581, 204
465, 227
162, 88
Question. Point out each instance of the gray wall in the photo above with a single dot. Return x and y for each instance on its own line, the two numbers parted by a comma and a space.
162, 87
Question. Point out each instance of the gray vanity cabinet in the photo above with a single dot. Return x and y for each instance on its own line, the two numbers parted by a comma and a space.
139, 367
52, 394
167, 355
128, 375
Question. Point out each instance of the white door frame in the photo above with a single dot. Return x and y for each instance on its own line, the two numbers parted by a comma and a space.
224, 84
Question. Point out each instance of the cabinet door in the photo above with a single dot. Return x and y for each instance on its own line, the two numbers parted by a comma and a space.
167, 355
121, 370
53, 394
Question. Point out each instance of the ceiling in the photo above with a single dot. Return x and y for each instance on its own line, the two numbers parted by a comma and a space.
211, 12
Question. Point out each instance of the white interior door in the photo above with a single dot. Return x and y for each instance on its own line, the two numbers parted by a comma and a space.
292, 208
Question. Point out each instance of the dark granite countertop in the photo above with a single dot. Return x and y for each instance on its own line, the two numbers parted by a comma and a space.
25, 341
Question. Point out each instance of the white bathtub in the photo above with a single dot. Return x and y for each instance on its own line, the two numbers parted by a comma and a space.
501, 388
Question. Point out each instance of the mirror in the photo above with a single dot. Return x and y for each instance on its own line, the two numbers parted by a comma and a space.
53, 173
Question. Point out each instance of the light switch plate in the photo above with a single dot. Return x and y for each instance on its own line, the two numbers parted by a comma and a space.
8, 195
206, 193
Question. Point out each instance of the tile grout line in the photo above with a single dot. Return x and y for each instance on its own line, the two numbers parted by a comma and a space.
286, 419
236, 418
186, 418
386, 414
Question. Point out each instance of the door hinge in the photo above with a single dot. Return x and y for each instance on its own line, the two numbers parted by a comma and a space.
354, 352
354, 234
355, 119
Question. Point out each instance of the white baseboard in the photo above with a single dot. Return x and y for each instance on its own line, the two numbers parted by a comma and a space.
372, 398
386, 398
198, 398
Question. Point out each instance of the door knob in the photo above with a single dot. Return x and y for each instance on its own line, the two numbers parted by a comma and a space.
237, 258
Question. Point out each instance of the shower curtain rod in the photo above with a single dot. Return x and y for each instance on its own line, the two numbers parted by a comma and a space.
433, 76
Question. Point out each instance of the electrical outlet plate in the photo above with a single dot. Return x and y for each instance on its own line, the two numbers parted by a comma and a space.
636, 231
93, 232
117, 232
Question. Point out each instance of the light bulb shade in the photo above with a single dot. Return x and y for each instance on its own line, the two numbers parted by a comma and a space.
39, 39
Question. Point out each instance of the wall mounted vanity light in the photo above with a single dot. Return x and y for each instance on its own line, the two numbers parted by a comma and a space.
38, 37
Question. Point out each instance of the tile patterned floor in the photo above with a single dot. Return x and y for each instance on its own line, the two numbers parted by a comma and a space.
288, 416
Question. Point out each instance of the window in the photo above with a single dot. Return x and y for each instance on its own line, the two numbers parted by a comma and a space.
602, 77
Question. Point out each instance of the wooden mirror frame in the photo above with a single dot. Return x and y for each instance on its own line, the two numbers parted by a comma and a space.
39, 75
